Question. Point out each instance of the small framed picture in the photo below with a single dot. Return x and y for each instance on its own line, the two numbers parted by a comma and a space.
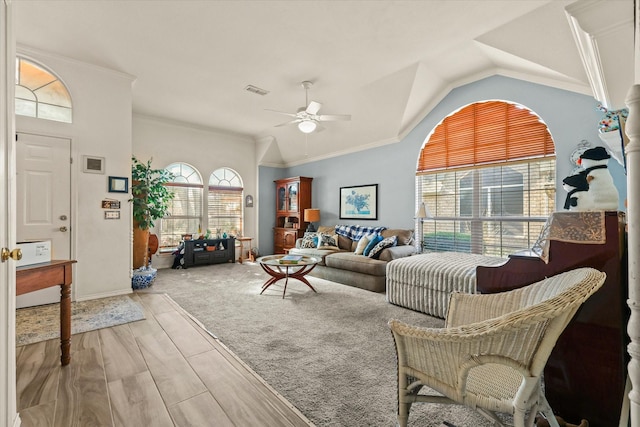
248, 201
118, 184
93, 164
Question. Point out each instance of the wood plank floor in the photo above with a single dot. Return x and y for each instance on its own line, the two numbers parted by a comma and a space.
165, 370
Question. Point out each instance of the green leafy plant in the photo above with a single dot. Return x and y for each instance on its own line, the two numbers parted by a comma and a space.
151, 198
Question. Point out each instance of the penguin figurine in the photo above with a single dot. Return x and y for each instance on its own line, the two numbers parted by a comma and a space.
602, 191
576, 186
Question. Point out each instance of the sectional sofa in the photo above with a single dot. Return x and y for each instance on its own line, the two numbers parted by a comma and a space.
343, 261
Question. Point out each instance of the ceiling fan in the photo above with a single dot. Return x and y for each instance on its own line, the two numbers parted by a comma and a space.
307, 118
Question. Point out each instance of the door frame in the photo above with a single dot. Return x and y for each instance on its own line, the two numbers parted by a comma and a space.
8, 409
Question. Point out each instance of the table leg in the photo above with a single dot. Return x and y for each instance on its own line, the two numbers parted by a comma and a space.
65, 323
280, 274
300, 276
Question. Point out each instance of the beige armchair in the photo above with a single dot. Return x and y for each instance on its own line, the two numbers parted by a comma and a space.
491, 353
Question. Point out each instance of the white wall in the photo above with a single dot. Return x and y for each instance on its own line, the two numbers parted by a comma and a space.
205, 149
101, 127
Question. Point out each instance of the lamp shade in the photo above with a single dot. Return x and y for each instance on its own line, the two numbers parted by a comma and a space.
423, 211
307, 126
312, 215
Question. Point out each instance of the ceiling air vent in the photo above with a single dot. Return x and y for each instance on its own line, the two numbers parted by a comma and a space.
256, 90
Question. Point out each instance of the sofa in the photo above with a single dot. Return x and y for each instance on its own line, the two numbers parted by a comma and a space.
343, 261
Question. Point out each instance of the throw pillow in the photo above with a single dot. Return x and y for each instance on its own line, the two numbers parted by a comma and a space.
310, 240
384, 244
372, 243
327, 241
405, 237
344, 243
362, 243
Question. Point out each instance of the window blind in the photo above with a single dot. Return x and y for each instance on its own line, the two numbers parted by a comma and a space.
225, 209
185, 213
485, 133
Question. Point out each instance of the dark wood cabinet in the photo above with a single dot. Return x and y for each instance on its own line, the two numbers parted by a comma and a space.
293, 196
586, 372
209, 251
284, 238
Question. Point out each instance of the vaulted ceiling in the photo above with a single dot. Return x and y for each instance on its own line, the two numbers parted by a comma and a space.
386, 63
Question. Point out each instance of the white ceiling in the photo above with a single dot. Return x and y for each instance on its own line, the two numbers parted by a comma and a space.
387, 63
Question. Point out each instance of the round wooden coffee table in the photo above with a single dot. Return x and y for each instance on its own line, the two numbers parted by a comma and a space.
273, 266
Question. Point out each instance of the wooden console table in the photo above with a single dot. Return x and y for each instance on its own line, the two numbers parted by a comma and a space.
34, 277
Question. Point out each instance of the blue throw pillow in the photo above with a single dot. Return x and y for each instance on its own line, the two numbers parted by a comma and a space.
372, 243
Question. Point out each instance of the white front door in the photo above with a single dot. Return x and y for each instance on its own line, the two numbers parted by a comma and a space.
44, 201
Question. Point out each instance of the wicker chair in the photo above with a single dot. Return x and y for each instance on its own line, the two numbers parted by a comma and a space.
492, 351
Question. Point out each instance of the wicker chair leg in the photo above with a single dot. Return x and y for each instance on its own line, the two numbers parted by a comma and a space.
518, 418
404, 407
546, 410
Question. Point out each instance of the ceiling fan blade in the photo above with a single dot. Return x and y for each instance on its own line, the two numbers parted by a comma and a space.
282, 112
333, 117
289, 123
313, 107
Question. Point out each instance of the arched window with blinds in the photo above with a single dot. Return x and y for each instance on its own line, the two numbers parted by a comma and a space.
225, 208
487, 176
185, 210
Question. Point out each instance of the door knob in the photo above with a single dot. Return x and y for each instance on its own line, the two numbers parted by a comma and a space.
15, 254
63, 228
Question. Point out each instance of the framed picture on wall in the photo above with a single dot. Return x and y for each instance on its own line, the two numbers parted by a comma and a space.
118, 184
359, 202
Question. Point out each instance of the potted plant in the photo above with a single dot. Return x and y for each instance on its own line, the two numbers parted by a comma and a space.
150, 200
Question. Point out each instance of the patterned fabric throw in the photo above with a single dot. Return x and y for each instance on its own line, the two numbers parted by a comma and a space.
355, 232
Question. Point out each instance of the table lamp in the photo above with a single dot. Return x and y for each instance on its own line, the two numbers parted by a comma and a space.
311, 216
422, 214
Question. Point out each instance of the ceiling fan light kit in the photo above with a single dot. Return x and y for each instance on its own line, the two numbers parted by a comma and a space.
307, 126
307, 118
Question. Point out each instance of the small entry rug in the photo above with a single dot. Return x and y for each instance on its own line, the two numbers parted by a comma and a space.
41, 323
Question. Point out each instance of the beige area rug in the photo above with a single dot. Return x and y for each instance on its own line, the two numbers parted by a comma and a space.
330, 354
41, 323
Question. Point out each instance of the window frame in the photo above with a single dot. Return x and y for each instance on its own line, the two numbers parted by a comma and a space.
188, 183
225, 180
39, 89
542, 162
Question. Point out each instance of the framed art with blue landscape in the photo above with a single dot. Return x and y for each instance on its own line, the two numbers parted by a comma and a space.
359, 202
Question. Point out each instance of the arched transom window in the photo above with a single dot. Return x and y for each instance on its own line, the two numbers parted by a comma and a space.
225, 202
39, 93
487, 176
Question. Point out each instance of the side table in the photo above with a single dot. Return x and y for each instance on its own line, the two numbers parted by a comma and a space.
242, 240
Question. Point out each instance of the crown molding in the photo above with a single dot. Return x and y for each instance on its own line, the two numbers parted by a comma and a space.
594, 24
